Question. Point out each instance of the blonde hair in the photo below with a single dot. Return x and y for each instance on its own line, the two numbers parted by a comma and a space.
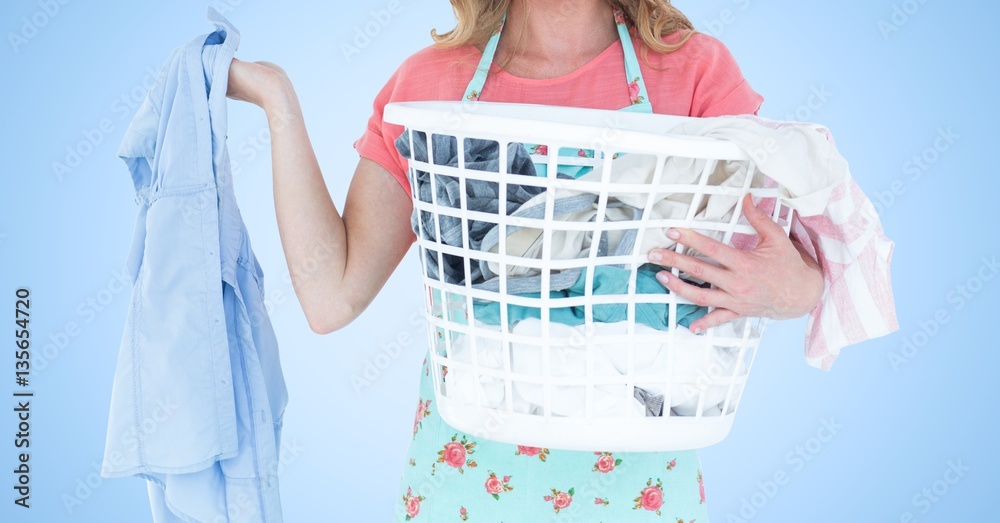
476, 20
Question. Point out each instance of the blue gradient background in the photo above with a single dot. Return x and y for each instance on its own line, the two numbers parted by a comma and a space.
67, 238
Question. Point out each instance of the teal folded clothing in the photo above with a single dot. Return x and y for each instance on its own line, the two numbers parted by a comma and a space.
608, 280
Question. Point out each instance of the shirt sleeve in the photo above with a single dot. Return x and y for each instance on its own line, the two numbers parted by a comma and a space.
855, 256
857, 302
721, 89
378, 141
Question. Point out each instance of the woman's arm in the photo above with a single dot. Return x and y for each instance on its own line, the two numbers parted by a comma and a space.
338, 262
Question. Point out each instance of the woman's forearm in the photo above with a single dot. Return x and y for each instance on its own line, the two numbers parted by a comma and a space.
312, 231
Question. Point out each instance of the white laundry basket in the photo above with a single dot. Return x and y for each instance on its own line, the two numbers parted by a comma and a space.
594, 385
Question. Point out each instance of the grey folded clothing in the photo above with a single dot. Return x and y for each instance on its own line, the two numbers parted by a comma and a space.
483, 196
652, 402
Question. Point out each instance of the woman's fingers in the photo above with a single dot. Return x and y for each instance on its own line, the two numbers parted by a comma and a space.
697, 295
713, 319
692, 266
712, 248
761, 221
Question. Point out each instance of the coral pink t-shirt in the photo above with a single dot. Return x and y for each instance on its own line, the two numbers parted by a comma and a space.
700, 79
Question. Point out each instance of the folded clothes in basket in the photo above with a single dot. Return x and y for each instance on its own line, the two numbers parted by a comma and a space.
834, 221
634, 169
699, 373
483, 196
608, 280
529, 201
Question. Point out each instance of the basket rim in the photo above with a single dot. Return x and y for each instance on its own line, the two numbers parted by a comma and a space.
604, 129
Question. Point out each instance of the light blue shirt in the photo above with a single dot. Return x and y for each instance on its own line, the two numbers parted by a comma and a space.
198, 396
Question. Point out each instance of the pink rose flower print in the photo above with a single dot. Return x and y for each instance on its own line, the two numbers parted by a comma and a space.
701, 488
559, 499
651, 497
496, 486
532, 451
412, 507
619, 17
633, 92
473, 96
672, 464
540, 149
423, 410
606, 462
463, 514
412, 504
455, 453
601, 501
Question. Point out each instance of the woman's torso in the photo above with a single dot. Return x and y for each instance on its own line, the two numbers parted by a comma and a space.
453, 476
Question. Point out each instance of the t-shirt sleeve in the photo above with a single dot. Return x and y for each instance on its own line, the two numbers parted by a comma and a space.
378, 141
721, 89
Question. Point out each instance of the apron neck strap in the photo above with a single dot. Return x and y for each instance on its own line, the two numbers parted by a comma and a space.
636, 86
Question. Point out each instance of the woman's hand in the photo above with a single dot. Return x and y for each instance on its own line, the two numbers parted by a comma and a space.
777, 279
256, 82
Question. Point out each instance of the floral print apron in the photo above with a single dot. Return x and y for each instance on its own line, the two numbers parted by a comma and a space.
452, 476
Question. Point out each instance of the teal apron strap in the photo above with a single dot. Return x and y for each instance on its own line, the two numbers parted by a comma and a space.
636, 85
633, 73
638, 96
475, 87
